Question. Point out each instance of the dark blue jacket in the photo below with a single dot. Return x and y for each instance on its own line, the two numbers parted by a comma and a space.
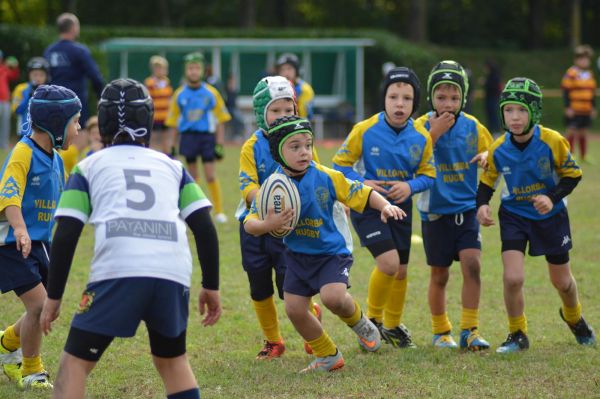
70, 63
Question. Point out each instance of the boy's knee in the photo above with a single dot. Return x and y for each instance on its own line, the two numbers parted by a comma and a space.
295, 312
34, 310
333, 303
472, 270
388, 268
439, 276
513, 283
564, 285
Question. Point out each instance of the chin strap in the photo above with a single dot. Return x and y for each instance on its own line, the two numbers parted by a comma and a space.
292, 169
520, 134
133, 133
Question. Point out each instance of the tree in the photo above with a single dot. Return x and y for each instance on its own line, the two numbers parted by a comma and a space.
248, 14
536, 23
417, 21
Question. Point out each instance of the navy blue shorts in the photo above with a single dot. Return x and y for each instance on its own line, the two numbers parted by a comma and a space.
579, 121
260, 253
21, 275
197, 144
551, 236
306, 274
371, 230
116, 307
445, 237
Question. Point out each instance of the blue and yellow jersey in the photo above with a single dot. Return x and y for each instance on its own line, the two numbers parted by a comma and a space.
455, 187
374, 151
579, 86
256, 164
20, 106
530, 172
318, 232
32, 180
304, 97
197, 110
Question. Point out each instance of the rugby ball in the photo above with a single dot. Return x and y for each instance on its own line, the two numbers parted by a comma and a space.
278, 192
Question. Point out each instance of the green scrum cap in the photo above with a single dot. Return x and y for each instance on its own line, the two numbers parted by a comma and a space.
525, 92
268, 90
449, 72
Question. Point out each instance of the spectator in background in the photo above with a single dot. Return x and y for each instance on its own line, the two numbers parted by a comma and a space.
9, 71
231, 93
160, 89
492, 86
71, 62
288, 66
38, 73
579, 92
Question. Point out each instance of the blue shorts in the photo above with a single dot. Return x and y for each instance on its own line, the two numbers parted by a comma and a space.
371, 230
19, 274
445, 237
306, 274
551, 236
197, 144
116, 307
260, 253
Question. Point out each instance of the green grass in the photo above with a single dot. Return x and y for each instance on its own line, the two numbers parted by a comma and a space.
222, 356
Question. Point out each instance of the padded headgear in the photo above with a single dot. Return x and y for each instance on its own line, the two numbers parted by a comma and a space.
51, 109
406, 75
268, 90
289, 58
280, 131
125, 107
525, 92
449, 72
38, 63
194, 58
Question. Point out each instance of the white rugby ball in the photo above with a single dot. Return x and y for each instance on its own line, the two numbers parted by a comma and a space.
278, 192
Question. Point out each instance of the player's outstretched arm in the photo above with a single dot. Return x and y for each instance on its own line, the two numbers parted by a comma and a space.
207, 245
65, 239
481, 159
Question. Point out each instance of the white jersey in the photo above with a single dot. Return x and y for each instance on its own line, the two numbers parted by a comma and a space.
137, 200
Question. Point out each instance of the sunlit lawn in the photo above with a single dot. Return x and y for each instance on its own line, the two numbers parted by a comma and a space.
222, 357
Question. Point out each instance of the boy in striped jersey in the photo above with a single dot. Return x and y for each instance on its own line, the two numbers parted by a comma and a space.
160, 89
579, 92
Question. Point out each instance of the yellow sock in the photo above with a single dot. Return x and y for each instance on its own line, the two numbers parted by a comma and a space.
323, 346
10, 340
32, 365
215, 194
440, 323
392, 313
266, 312
380, 285
354, 318
312, 308
517, 323
469, 319
572, 315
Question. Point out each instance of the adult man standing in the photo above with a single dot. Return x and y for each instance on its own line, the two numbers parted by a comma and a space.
71, 62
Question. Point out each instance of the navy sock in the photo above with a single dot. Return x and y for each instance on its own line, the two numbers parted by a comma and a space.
193, 393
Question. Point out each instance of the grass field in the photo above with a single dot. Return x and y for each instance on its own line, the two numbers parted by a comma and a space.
222, 356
